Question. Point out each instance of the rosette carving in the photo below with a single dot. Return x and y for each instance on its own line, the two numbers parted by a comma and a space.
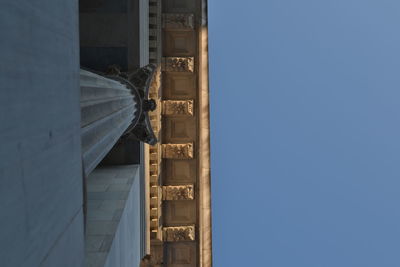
177, 107
179, 233
177, 151
178, 21
178, 64
178, 192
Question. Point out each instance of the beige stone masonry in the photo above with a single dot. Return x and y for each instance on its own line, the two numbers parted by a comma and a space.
177, 107
179, 233
178, 192
178, 21
179, 166
178, 64
177, 151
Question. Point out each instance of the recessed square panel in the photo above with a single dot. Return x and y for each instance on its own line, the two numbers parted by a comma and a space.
179, 43
181, 254
180, 212
179, 86
179, 172
178, 129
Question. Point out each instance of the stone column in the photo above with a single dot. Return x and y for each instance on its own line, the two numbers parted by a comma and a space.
108, 108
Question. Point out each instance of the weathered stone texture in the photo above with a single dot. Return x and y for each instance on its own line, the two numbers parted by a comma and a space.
179, 233
178, 192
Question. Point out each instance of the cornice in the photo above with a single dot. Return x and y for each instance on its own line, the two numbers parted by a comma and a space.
205, 238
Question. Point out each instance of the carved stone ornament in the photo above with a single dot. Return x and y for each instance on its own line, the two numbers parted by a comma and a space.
178, 21
178, 64
155, 85
180, 233
177, 107
139, 83
178, 192
177, 151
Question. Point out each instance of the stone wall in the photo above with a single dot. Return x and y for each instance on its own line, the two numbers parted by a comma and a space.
113, 237
40, 151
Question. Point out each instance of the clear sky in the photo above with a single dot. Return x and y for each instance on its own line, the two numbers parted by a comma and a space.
305, 121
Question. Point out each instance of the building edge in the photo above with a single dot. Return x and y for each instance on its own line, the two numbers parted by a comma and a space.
205, 223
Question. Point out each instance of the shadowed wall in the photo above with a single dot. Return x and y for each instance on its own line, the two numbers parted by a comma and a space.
40, 152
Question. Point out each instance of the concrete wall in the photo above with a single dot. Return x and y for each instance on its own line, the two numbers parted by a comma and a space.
40, 157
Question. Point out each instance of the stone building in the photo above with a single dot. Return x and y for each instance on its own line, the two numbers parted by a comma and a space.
179, 165
82, 180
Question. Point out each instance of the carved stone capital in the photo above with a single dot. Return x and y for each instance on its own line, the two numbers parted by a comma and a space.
177, 151
178, 192
177, 107
178, 64
178, 21
180, 233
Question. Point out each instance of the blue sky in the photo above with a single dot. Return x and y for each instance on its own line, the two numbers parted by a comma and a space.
305, 121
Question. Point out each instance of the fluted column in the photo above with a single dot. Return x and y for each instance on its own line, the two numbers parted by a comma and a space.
108, 108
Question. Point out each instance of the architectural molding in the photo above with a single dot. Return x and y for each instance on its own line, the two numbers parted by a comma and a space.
178, 21
185, 70
178, 64
179, 233
154, 163
205, 229
155, 35
178, 192
177, 107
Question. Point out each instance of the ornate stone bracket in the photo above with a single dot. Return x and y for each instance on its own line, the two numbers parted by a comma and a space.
180, 233
177, 107
178, 64
139, 82
178, 21
178, 192
177, 151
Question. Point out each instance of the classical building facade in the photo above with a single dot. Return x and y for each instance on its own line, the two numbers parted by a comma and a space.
179, 165
104, 140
